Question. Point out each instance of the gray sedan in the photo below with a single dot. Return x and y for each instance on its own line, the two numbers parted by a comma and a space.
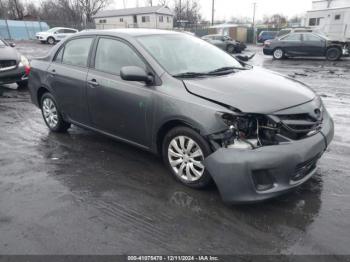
254, 133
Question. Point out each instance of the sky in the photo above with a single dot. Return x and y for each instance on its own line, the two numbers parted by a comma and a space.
225, 9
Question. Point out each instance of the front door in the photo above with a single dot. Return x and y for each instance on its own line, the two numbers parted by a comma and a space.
119, 107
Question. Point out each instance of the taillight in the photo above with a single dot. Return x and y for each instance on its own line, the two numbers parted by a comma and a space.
27, 70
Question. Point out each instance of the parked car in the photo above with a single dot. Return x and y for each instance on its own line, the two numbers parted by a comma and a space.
255, 133
55, 34
226, 43
305, 44
14, 67
266, 35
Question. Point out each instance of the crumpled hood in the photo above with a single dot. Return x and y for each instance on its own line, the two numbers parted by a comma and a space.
252, 91
9, 53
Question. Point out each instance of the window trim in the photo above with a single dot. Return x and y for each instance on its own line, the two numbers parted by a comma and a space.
149, 69
88, 64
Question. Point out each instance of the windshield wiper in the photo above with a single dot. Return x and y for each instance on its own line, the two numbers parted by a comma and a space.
225, 69
190, 75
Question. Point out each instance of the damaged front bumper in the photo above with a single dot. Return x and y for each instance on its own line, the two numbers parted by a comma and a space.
267, 172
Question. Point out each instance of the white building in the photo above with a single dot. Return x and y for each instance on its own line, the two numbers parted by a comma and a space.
160, 17
332, 17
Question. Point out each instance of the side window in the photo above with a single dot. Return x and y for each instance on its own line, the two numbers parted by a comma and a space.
77, 52
310, 37
69, 31
112, 55
292, 37
59, 55
337, 17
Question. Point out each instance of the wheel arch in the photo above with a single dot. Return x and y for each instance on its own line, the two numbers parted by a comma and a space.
41, 91
166, 127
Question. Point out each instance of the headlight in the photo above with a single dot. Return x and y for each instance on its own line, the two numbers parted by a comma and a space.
242, 124
24, 62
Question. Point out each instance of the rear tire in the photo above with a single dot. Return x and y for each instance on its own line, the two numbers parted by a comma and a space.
51, 114
183, 153
278, 54
333, 54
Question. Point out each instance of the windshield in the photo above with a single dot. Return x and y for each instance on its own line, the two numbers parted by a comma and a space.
180, 53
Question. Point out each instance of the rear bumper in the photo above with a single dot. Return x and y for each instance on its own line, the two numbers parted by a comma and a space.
13, 76
238, 173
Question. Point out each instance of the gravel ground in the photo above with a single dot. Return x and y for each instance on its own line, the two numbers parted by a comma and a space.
82, 193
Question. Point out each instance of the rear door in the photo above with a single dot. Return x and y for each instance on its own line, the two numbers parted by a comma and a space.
118, 107
67, 78
313, 44
292, 44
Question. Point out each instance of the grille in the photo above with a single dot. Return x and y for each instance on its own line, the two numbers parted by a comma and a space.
7, 64
300, 126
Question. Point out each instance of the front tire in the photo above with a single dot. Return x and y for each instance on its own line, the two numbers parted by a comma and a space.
51, 114
51, 40
333, 54
184, 151
278, 54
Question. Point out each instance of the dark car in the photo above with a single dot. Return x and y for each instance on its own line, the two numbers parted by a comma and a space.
255, 133
226, 43
14, 67
266, 35
305, 44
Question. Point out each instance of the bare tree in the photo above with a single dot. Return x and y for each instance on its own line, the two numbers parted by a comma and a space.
187, 11
91, 7
276, 20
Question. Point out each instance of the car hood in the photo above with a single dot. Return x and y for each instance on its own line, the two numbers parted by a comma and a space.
252, 91
9, 53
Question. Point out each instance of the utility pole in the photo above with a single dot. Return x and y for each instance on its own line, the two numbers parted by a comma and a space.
213, 12
254, 10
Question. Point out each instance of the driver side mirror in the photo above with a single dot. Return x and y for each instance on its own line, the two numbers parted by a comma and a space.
135, 73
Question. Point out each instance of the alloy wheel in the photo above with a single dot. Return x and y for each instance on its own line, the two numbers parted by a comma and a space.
278, 53
50, 112
186, 157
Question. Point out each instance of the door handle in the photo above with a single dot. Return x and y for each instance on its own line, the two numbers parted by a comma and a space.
93, 83
53, 72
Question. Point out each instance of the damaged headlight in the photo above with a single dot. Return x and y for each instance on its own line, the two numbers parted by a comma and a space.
246, 131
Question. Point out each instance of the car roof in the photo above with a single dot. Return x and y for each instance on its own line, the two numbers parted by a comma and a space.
130, 32
63, 28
